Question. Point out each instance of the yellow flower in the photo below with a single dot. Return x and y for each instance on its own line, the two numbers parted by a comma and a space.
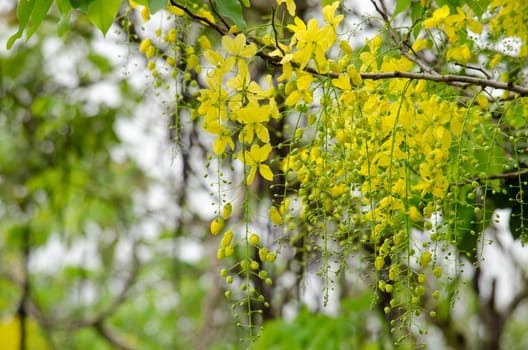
145, 44
415, 215
438, 17
238, 46
425, 259
254, 118
458, 53
343, 82
255, 157
217, 225
171, 35
300, 89
228, 209
329, 14
226, 240
345, 47
145, 14
234, 29
379, 262
151, 51
206, 14
204, 42
290, 6
418, 44
224, 136
482, 101
175, 10
275, 216
254, 239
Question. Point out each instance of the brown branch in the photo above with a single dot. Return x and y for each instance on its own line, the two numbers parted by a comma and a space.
401, 43
199, 18
108, 311
446, 78
213, 8
513, 174
275, 31
110, 336
449, 78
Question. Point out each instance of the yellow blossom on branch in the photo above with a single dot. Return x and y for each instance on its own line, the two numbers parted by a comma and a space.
238, 47
224, 136
255, 158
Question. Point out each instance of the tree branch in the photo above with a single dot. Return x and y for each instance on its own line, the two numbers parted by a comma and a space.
513, 174
445, 78
110, 336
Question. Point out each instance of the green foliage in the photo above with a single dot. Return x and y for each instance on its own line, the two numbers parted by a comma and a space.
401, 5
102, 13
232, 10
318, 331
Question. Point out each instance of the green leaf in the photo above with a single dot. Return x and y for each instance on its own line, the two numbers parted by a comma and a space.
142, 2
156, 5
478, 6
65, 10
81, 4
102, 13
401, 5
23, 11
40, 10
232, 10
246, 3
417, 12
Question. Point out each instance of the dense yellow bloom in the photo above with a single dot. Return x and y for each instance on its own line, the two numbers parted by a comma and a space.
452, 24
311, 42
511, 17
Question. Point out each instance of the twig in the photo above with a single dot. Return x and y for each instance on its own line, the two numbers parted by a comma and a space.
401, 43
199, 18
213, 7
467, 66
110, 336
275, 31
